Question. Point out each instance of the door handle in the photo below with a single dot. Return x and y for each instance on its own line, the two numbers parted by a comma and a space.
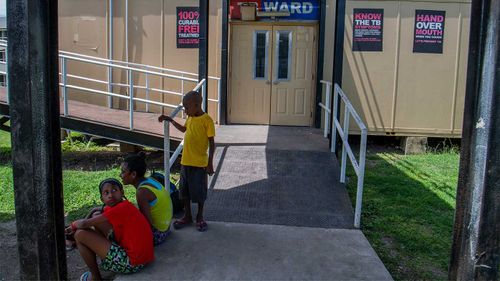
268, 82
275, 82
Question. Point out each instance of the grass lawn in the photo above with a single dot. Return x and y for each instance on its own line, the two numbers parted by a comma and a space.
408, 211
80, 186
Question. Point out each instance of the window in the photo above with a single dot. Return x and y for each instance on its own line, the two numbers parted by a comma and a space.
3, 34
2, 55
3, 80
260, 43
284, 54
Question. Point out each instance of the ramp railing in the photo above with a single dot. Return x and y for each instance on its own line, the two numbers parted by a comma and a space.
184, 77
130, 69
343, 131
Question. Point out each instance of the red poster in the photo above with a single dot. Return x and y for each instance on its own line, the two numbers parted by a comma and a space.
429, 31
367, 27
188, 27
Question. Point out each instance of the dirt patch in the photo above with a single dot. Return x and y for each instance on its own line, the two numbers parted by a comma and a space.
9, 257
88, 161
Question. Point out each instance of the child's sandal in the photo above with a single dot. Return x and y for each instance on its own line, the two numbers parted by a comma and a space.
201, 226
180, 223
86, 276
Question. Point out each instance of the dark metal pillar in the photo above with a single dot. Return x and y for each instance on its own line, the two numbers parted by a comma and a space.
223, 61
319, 68
36, 148
203, 47
476, 240
338, 56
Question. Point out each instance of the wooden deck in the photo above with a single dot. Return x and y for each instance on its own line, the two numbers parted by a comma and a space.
143, 122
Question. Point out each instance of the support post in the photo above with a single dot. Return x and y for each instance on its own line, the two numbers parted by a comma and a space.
110, 52
338, 52
36, 148
224, 63
343, 165
166, 152
319, 67
203, 45
131, 98
476, 238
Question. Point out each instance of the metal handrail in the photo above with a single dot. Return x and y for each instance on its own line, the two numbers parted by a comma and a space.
343, 131
129, 67
327, 106
137, 64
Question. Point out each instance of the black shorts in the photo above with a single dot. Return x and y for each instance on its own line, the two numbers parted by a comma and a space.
193, 184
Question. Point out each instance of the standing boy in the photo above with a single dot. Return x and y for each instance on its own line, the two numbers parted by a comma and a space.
195, 163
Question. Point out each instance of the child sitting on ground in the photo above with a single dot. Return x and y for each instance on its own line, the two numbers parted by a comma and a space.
195, 163
120, 236
152, 197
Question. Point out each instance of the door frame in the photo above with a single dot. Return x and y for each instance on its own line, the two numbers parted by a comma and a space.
224, 56
314, 90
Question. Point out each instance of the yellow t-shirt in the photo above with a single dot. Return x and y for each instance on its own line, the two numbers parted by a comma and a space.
198, 130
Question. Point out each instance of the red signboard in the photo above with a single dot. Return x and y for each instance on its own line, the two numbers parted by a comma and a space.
188, 27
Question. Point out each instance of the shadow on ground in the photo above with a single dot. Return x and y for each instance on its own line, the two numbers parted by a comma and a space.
408, 213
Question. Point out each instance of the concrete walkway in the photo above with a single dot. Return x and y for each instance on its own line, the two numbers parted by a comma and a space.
232, 251
276, 210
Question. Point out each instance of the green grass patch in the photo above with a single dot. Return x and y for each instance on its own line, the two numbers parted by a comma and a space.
408, 211
80, 192
4, 142
80, 143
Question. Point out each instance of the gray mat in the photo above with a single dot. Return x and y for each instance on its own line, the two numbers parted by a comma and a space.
253, 184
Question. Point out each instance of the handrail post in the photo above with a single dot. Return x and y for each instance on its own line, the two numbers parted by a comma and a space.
64, 78
182, 92
361, 176
344, 148
327, 115
110, 86
204, 95
218, 100
333, 147
131, 98
329, 104
166, 153
147, 92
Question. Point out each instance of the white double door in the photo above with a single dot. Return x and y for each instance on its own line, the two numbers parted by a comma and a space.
272, 74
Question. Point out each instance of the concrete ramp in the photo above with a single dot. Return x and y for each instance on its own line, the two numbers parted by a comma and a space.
276, 211
233, 251
254, 184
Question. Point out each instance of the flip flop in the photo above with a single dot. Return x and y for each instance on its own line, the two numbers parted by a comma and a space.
178, 224
70, 245
201, 226
86, 276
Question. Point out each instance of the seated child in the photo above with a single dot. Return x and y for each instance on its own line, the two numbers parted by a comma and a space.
120, 237
152, 197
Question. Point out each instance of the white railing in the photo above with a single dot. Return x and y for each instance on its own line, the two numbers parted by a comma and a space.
130, 68
64, 58
326, 107
177, 73
170, 160
343, 131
